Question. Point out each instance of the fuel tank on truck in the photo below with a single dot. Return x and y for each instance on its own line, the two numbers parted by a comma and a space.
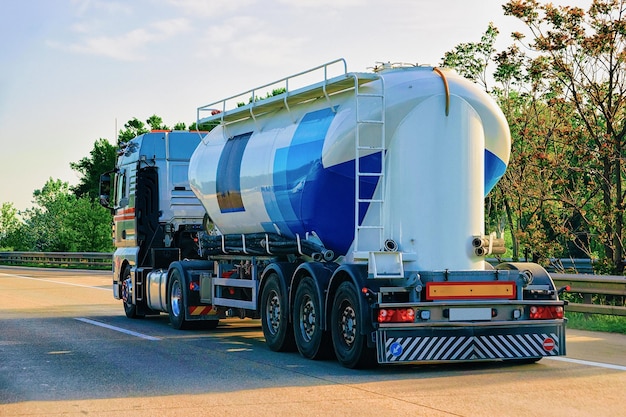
429, 144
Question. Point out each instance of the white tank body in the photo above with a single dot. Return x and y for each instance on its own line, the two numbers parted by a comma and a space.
293, 171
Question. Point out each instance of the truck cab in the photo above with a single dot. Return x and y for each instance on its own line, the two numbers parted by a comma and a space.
155, 213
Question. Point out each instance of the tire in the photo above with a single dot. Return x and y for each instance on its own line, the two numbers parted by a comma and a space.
176, 301
274, 317
311, 340
130, 309
349, 344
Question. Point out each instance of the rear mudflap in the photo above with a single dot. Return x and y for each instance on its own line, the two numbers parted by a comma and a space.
201, 313
470, 343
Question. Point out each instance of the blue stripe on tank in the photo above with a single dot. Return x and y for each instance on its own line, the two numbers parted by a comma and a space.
294, 167
276, 197
494, 170
306, 196
337, 187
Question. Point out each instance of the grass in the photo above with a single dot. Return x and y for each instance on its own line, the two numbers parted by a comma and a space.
596, 322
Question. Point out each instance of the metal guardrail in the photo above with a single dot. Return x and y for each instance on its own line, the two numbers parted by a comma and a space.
590, 285
578, 266
87, 260
587, 285
559, 265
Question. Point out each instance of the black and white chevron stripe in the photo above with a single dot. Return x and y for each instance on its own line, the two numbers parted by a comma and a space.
465, 347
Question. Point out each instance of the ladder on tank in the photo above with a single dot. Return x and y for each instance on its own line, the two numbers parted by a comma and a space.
369, 141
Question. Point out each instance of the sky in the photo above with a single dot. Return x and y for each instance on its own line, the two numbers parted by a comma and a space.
74, 71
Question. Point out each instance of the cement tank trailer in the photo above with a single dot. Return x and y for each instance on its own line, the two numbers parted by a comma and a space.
348, 215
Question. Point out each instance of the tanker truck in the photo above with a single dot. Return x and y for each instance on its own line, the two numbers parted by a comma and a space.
346, 214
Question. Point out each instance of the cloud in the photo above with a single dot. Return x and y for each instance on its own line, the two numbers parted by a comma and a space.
129, 46
248, 40
83, 7
210, 8
335, 4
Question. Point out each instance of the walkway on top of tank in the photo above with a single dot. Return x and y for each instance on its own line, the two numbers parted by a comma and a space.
257, 107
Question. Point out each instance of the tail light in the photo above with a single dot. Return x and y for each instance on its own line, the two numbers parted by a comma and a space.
546, 312
396, 315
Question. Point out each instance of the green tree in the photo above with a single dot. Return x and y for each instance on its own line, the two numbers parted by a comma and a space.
132, 129
89, 227
8, 219
471, 59
136, 127
10, 227
46, 225
203, 127
62, 222
101, 159
156, 123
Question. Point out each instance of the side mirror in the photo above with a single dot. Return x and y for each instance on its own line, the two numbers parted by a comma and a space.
105, 190
104, 201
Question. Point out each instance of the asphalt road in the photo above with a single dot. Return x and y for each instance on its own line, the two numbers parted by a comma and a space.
66, 349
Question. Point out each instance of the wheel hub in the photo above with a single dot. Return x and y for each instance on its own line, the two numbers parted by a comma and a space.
273, 313
307, 322
127, 290
348, 325
175, 300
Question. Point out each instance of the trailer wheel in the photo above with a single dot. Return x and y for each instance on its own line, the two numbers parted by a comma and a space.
130, 309
274, 318
311, 340
176, 303
349, 344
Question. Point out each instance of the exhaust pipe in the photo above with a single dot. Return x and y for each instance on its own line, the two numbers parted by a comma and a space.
391, 245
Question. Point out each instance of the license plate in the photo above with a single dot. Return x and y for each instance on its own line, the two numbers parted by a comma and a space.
469, 314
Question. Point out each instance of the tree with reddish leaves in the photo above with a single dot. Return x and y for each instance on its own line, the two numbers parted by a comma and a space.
527, 200
584, 56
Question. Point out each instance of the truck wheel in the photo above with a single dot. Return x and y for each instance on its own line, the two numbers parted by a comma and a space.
349, 344
311, 340
176, 303
130, 309
274, 319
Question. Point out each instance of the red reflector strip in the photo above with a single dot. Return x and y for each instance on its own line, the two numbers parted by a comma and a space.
125, 214
200, 310
470, 290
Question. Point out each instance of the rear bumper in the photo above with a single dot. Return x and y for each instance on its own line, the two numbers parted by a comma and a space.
471, 342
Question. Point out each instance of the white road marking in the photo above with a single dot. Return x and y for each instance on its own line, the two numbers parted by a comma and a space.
117, 329
588, 363
56, 282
